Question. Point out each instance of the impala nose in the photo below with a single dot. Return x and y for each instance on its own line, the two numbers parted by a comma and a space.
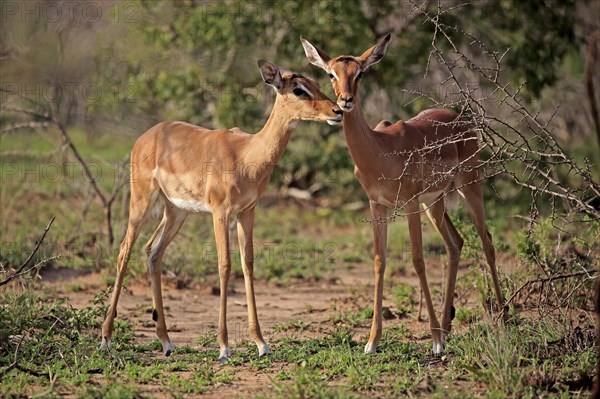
346, 103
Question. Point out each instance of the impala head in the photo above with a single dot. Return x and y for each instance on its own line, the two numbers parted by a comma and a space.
301, 95
345, 71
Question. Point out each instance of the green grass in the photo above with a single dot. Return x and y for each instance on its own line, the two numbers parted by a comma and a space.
403, 299
58, 350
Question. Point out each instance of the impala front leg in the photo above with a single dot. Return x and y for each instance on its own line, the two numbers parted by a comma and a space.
379, 214
244, 228
220, 221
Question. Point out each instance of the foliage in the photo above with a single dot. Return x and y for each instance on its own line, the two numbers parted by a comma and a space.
536, 54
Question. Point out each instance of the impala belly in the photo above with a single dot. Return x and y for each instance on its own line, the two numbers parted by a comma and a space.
183, 191
191, 205
380, 199
430, 197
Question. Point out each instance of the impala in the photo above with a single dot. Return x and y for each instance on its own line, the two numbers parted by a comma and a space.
223, 172
424, 160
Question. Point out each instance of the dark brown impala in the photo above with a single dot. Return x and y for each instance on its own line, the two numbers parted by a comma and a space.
424, 160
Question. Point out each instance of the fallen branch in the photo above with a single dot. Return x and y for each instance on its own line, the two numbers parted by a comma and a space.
15, 362
19, 271
544, 280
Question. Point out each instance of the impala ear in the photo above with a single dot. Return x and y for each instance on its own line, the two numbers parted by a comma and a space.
375, 53
315, 55
271, 74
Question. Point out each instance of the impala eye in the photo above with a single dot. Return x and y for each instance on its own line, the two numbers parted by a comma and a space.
299, 92
331, 76
359, 75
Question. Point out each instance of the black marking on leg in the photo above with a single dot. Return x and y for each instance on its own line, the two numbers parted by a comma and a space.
115, 313
155, 316
168, 352
452, 312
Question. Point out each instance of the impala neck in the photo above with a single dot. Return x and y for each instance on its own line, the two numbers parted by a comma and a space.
359, 136
267, 146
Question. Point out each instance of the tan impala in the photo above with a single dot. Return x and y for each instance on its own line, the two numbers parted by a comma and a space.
424, 160
224, 172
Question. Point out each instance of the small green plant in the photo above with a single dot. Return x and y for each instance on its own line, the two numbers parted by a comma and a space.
74, 288
307, 382
351, 318
465, 316
112, 391
527, 247
403, 301
294, 324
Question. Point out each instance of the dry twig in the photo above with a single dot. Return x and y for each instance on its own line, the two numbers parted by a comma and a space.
589, 273
20, 270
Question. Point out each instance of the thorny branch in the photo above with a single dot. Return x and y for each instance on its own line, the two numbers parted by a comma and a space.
15, 363
522, 149
589, 273
518, 144
20, 270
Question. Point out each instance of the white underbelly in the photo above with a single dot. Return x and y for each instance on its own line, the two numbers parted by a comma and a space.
191, 205
383, 201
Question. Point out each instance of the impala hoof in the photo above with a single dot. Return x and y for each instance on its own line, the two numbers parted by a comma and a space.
105, 345
224, 355
438, 348
263, 349
168, 349
370, 348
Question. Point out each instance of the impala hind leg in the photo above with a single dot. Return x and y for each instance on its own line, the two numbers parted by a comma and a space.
244, 228
379, 214
221, 226
142, 199
473, 197
416, 240
453, 243
155, 249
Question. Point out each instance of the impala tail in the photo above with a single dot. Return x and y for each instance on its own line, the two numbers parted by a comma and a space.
451, 199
